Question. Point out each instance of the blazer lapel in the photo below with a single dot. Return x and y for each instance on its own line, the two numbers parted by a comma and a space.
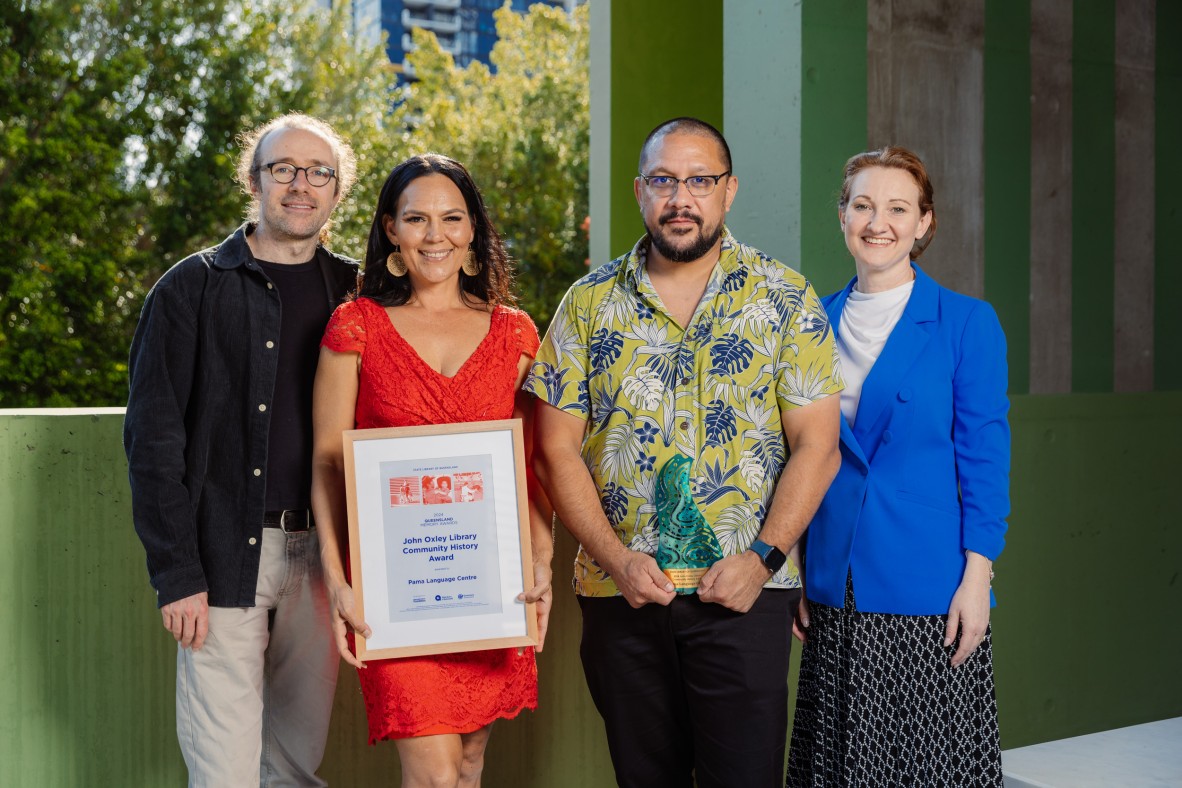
903, 346
852, 448
833, 305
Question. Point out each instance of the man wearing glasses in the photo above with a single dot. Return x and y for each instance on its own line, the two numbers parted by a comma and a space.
688, 434
218, 436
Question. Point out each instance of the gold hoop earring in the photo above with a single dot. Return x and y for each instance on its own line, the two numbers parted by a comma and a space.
395, 264
471, 265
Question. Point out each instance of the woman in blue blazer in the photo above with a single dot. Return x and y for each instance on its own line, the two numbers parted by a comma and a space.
896, 683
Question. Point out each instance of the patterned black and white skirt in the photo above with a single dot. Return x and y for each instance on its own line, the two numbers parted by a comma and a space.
880, 705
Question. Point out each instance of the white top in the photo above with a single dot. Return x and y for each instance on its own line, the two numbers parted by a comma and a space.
866, 322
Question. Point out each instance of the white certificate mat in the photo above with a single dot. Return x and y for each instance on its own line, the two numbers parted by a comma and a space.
439, 538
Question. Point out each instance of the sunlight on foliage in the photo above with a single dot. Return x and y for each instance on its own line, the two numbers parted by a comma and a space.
523, 133
118, 126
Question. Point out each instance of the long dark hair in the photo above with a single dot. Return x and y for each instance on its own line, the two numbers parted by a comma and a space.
494, 282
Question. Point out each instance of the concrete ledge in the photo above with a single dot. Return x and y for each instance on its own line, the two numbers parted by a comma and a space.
1139, 756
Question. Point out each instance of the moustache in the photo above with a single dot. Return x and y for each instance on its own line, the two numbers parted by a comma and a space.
669, 216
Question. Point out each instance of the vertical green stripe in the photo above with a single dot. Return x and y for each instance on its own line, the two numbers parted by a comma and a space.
1093, 165
833, 128
1007, 177
1167, 281
599, 177
662, 67
761, 64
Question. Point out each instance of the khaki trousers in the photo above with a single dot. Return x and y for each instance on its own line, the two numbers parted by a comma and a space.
253, 704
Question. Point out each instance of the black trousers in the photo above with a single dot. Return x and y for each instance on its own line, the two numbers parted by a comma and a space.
691, 690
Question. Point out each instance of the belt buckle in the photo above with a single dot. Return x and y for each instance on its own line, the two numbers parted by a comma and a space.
295, 513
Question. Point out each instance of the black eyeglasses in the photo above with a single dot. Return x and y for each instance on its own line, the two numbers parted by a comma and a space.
283, 172
696, 185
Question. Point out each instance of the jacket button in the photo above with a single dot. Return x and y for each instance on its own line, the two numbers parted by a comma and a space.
887, 436
262, 408
270, 344
252, 541
270, 286
258, 472
904, 395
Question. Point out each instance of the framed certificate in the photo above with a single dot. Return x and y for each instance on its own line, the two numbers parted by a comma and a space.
439, 541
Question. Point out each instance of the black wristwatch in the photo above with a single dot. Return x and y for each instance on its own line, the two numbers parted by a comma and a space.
773, 558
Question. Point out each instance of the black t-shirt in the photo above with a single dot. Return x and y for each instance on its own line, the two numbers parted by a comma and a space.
305, 313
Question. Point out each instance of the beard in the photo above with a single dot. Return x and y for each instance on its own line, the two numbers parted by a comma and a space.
293, 228
298, 230
664, 242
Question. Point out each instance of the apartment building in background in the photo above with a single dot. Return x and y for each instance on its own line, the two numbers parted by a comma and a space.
465, 28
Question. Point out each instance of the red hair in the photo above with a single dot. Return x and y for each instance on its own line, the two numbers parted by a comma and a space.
896, 158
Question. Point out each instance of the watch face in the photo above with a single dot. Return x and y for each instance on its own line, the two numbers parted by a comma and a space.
774, 560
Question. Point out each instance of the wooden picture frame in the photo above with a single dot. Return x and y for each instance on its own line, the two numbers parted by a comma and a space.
439, 538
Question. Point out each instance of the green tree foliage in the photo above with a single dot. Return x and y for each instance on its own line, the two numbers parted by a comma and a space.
118, 122
118, 127
66, 286
522, 132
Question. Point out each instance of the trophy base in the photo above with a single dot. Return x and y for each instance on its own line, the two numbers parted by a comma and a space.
685, 579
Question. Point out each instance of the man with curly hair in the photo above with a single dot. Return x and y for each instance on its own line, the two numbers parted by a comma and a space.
218, 436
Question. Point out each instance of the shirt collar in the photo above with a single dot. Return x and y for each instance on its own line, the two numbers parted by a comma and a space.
234, 251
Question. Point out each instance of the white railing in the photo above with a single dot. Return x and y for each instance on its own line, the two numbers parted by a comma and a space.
441, 4
449, 24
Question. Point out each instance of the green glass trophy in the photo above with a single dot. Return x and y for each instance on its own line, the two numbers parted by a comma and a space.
687, 546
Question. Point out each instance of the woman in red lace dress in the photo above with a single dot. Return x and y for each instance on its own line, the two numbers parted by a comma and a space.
430, 339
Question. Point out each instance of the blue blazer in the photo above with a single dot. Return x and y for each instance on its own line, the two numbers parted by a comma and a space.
925, 466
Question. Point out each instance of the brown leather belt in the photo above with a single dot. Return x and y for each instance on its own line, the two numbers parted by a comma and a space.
290, 520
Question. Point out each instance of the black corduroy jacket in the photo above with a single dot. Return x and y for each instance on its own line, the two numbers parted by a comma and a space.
202, 379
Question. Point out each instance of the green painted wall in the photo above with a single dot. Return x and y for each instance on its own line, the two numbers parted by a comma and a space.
1007, 177
87, 673
85, 686
833, 128
1085, 633
666, 62
1167, 330
761, 100
1093, 170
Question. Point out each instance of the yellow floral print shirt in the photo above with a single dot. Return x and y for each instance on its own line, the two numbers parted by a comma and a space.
758, 344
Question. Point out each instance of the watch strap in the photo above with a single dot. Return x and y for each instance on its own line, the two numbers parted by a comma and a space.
773, 558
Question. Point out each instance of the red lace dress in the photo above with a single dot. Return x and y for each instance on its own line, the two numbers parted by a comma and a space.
445, 693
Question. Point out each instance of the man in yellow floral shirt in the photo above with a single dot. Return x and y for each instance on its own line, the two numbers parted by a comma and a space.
692, 354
